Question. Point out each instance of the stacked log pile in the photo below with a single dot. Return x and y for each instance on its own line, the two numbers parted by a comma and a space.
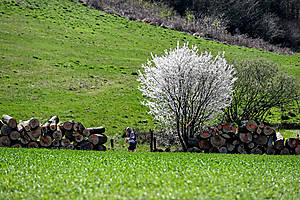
53, 134
250, 138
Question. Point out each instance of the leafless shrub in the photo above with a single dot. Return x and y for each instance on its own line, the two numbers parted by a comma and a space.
208, 27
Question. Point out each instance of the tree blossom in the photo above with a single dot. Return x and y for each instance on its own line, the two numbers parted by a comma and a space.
185, 90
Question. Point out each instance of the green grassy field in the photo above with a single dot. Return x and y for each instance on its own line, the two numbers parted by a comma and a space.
70, 174
62, 58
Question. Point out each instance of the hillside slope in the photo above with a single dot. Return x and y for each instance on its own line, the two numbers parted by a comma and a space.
62, 58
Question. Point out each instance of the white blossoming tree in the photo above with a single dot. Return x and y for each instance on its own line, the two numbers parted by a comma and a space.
185, 90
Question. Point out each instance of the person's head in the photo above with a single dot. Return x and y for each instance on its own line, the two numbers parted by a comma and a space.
128, 130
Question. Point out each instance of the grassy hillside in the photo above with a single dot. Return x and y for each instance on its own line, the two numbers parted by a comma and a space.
67, 174
61, 58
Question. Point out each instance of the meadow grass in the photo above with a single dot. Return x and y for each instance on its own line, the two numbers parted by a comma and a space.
61, 58
71, 174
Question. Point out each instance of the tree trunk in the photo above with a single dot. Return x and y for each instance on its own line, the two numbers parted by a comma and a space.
9, 121
245, 137
5, 141
151, 140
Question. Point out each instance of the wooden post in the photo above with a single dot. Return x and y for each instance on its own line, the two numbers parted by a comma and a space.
112, 143
154, 143
151, 140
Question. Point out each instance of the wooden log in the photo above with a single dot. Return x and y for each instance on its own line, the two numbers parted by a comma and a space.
68, 125
279, 143
217, 141
96, 130
16, 145
5, 141
57, 135
46, 141
100, 147
25, 139
271, 151
210, 131
14, 135
257, 150
33, 123
65, 142
230, 147
45, 129
20, 128
70, 146
204, 144
53, 126
36, 133
235, 142
241, 149
6, 130
56, 143
245, 137
229, 128
78, 137
213, 150
69, 134
32, 145
223, 149
25, 125
285, 151
259, 130
9, 121
251, 125
291, 143
86, 132
260, 139
85, 145
97, 139
251, 145
268, 130
78, 127
1, 124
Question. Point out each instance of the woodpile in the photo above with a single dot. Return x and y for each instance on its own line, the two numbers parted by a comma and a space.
250, 138
53, 134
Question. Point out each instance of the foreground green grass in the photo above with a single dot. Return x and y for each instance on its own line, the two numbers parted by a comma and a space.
67, 174
60, 58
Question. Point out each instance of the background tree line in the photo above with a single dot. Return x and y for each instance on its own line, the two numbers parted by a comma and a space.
275, 21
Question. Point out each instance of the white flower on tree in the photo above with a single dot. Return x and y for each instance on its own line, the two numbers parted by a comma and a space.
185, 90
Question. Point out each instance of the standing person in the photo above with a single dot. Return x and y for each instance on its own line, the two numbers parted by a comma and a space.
131, 139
